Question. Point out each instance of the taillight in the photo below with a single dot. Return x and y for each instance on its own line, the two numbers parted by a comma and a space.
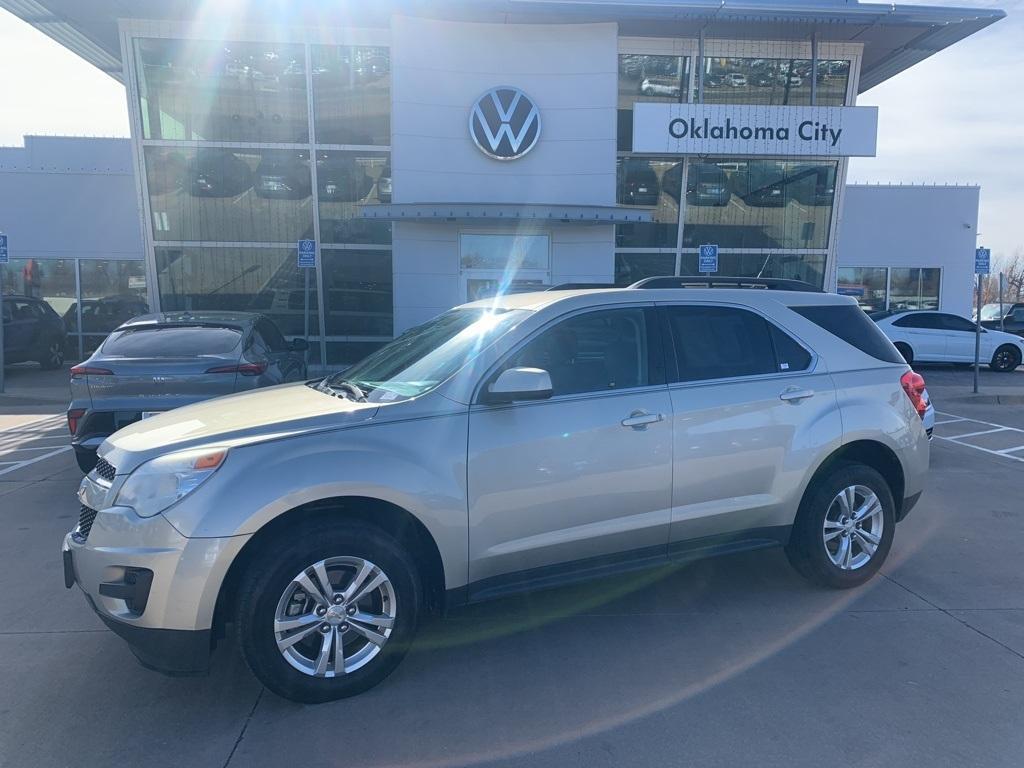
245, 369
88, 370
74, 416
913, 385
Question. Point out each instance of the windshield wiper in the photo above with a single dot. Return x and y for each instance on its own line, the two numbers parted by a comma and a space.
347, 387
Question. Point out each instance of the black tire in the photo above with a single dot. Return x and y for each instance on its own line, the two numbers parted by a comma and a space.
1006, 359
269, 575
51, 355
906, 351
806, 549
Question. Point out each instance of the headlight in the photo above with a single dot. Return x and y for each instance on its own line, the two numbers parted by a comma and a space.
163, 481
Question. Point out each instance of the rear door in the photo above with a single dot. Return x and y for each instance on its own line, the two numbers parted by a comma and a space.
751, 406
960, 335
926, 335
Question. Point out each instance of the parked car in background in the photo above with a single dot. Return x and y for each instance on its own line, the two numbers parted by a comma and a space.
33, 331
105, 314
158, 362
341, 178
940, 337
661, 86
510, 444
1012, 320
216, 172
707, 184
813, 185
384, 185
638, 183
761, 184
283, 175
735, 79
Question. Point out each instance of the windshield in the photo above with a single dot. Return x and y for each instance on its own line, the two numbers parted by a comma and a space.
990, 312
424, 356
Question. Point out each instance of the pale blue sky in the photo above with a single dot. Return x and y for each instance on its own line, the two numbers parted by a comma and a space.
958, 117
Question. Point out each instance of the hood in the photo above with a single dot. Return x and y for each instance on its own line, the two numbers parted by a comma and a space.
234, 420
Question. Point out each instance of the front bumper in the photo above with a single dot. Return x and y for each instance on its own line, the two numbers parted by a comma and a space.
151, 585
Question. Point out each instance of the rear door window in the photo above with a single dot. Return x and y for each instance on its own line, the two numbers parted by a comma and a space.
849, 323
171, 341
719, 343
789, 354
954, 323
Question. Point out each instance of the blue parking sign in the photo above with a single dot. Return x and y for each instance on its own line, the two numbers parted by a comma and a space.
4, 258
982, 261
708, 258
307, 254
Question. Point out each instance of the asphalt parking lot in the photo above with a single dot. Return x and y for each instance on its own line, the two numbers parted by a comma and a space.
728, 662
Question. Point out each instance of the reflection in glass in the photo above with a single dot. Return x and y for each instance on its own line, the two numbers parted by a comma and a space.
345, 181
352, 95
807, 267
745, 203
230, 195
732, 80
631, 267
504, 252
265, 280
222, 91
914, 288
358, 294
644, 77
113, 292
649, 182
867, 284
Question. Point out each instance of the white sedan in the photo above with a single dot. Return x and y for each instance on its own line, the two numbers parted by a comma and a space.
939, 337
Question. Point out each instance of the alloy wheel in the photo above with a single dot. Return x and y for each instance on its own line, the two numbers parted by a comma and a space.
55, 354
853, 527
335, 616
1004, 359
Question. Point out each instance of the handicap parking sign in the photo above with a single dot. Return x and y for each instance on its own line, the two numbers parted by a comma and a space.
982, 261
708, 259
307, 254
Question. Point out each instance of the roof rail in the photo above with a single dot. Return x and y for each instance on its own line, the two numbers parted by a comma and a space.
579, 286
708, 281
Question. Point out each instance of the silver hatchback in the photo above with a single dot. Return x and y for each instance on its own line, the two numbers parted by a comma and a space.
154, 363
510, 444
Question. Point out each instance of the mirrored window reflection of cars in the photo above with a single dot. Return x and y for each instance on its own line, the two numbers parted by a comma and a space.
352, 95
222, 91
358, 293
232, 195
645, 77
753, 203
648, 182
737, 80
806, 267
346, 181
631, 267
265, 280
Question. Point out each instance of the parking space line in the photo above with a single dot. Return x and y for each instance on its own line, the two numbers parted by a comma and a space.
60, 450
948, 421
1006, 453
982, 432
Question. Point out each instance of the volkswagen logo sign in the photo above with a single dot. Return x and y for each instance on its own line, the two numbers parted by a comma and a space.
504, 123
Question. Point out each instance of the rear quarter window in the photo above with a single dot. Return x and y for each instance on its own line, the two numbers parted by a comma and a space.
164, 341
852, 325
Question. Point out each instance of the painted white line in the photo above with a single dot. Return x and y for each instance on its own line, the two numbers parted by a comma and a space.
949, 421
983, 432
979, 421
25, 463
1011, 450
974, 447
35, 448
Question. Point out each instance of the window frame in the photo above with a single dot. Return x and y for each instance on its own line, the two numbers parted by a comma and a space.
672, 362
656, 358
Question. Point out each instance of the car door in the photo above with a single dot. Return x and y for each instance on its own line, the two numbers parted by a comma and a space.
925, 334
751, 408
19, 330
960, 334
580, 481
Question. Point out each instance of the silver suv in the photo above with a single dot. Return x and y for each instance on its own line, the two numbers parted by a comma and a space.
506, 445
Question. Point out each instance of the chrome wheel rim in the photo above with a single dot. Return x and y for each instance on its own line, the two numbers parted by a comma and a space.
335, 616
853, 527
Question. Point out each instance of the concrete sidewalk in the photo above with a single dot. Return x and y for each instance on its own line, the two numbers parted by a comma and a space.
29, 385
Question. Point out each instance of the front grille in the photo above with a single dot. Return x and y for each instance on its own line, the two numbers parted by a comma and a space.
105, 470
85, 520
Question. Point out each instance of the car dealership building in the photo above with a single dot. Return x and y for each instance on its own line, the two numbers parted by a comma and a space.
440, 152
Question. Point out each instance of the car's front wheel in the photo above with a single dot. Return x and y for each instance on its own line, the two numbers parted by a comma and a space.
328, 613
1006, 359
844, 528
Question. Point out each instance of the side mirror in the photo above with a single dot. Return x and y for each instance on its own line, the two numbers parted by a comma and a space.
519, 384
299, 345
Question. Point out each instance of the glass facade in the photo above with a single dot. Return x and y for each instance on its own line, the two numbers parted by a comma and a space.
892, 288
227, 210
736, 80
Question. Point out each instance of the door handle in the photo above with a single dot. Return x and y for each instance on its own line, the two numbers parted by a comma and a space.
640, 419
795, 394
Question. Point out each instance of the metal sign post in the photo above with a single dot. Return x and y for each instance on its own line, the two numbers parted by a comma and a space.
4, 259
982, 266
1002, 283
708, 259
307, 261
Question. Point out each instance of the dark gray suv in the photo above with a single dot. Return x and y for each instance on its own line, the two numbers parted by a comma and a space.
157, 362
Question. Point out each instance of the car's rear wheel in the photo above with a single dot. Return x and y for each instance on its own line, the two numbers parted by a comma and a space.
844, 528
1005, 359
51, 356
330, 613
905, 351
